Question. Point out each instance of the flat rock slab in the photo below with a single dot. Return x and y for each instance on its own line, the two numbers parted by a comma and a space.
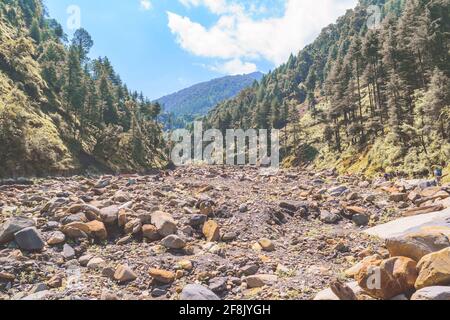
438, 221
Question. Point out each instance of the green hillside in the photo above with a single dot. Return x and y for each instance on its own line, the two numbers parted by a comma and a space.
360, 99
61, 112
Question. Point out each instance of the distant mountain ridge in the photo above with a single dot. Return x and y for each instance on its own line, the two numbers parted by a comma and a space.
199, 99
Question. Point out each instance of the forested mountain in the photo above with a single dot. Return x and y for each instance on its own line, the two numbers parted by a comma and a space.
197, 100
359, 98
59, 110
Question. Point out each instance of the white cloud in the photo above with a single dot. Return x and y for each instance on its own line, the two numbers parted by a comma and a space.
146, 5
234, 67
237, 35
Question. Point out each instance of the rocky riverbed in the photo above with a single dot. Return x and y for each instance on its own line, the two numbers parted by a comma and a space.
218, 233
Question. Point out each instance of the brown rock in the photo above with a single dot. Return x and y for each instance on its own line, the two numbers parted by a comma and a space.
434, 269
6, 277
98, 230
389, 278
150, 232
211, 231
423, 210
162, 276
417, 245
398, 197
164, 223
124, 274
266, 245
76, 230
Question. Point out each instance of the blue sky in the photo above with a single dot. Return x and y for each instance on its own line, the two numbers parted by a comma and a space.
162, 46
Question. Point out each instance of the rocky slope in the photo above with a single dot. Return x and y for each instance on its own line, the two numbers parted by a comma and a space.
215, 233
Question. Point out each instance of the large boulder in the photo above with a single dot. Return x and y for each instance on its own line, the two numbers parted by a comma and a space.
417, 245
432, 293
196, 292
29, 239
13, 225
388, 278
434, 269
164, 223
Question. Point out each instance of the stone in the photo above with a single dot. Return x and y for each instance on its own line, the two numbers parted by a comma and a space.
133, 226
84, 260
337, 191
250, 270
150, 232
422, 210
261, 280
185, 265
13, 225
398, 197
196, 292
98, 230
417, 245
55, 282
197, 220
162, 276
96, 263
211, 231
353, 271
56, 238
361, 219
434, 269
388, 278
328, 295
173, 242
164, 223
68, 252
121, 196
7, 277
218, 285
329, 217
267, 245
109, 215
243, 208
432, 293
352, 210
77, 217
108, 296
436, 220
124, 274
29, 239
91, 212
76, 230
294, 206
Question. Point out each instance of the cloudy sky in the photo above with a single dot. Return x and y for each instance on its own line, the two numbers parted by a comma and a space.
162, 46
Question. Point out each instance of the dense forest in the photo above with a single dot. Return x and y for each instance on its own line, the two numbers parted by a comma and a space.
183, 107
361, 97
61, 111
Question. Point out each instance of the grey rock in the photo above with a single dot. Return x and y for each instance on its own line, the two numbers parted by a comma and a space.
218, 285
361, 219
432, 293
193, 292
197, 220
173, 242
68, 252
13, 225
109, 215
29, 239
329, 217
